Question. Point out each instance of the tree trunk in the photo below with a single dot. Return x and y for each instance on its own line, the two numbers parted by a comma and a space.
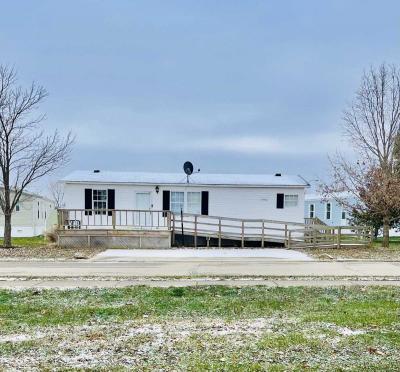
7, 230
386, 228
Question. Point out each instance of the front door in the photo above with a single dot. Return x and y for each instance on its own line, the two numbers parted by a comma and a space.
143, 201
143, 205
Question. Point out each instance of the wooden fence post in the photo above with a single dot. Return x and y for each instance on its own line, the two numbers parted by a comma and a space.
173, 226
242, 233
314, 238
219, 232
262, 234
195, 231
288, 239
113, 219
339, 236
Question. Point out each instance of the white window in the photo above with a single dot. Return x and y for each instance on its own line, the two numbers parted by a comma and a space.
177, 201
343, 215
328, 211
100, 200
291, 200
194, 202
311, 212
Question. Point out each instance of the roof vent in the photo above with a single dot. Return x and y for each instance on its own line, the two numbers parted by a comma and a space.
96, 171
278, 174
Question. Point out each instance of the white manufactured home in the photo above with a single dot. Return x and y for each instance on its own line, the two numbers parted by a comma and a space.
158, 210
33, 215
272, 197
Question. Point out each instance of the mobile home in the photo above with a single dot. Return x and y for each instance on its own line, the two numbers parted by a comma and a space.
273, 197
33, 215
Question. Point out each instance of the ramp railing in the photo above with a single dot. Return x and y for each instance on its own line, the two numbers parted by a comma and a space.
220, 228
315, 236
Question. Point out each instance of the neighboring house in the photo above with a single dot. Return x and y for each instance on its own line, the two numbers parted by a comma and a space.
329, 211
274, 197
33, 215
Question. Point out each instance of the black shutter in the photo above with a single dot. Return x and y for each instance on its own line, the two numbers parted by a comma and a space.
165, 201
88, 201
110, 200
204, 203
280, 200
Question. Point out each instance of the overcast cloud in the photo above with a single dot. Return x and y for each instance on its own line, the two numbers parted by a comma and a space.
235, 86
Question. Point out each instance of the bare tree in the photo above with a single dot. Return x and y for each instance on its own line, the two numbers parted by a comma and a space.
372, 124
57, 194
26, 152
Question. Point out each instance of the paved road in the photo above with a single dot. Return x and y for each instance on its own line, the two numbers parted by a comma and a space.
110, 283
197, 267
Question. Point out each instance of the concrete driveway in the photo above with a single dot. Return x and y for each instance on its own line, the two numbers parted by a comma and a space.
129, 255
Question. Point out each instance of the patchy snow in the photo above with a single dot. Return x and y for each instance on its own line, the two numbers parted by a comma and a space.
344, 331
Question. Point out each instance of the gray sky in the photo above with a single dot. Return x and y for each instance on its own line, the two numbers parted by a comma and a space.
234, 86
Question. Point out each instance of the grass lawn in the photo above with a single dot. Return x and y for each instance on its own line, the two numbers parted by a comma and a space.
202, 329
374, 252
394, 242
30, 242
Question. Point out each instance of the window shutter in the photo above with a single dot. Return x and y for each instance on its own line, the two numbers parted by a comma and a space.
166, 194
110, 200
88, 201
280, 200
204, 203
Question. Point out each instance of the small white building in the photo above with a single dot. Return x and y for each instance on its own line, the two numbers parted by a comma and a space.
33, 215
273, 197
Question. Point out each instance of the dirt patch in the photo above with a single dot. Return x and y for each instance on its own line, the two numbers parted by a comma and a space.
373, 253
46, 252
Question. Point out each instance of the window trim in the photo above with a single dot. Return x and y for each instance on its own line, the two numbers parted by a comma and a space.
288, 196
181, 203
328, 210
98, 210
311, 211
198, 210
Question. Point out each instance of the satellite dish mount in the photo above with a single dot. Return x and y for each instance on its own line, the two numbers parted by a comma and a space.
188, 169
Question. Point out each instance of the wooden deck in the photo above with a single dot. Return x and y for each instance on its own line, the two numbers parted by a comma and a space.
198, 230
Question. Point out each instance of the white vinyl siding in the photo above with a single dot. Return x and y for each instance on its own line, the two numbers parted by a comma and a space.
291, 200
194, 202
177, 201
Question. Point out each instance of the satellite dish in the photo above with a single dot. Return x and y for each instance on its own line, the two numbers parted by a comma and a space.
188, 168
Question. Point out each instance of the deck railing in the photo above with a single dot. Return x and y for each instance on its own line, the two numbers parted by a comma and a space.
291, 234
113, 218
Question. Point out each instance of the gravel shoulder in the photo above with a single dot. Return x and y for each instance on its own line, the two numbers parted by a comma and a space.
46, 252
373, 253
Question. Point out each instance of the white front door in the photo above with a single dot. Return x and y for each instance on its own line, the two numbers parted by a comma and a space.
143, 201
143, 218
